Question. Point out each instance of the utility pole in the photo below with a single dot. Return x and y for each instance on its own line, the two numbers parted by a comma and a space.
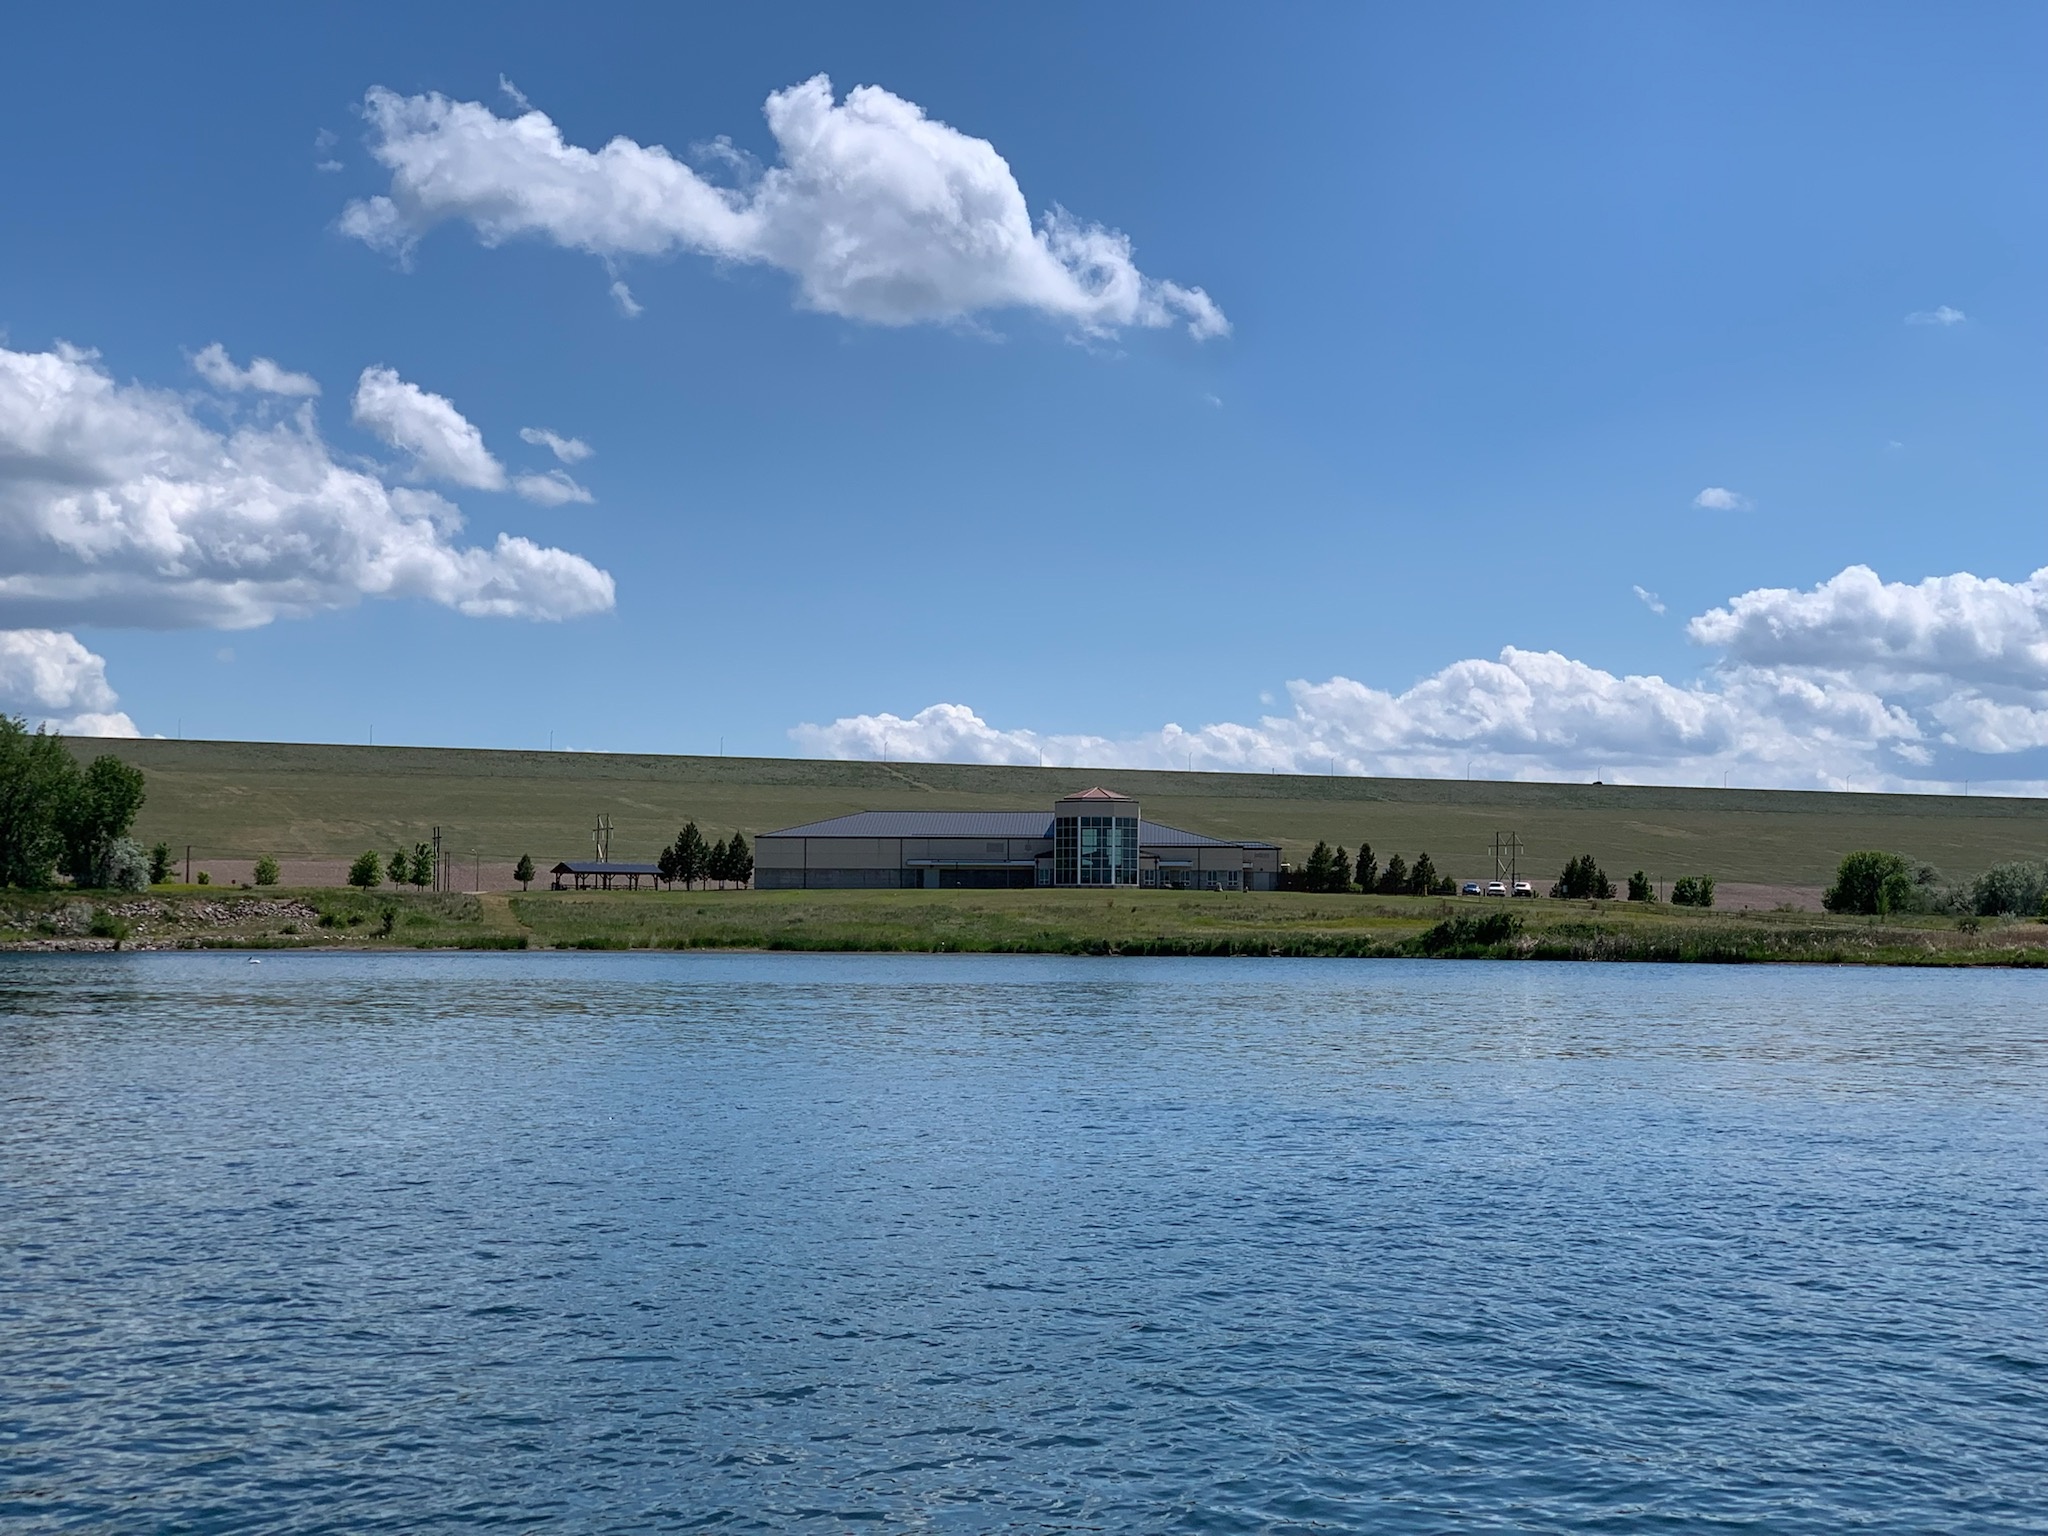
1508, 849
601, 835
188, 863
440, 875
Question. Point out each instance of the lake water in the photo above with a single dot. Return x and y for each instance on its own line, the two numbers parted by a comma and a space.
635, 1243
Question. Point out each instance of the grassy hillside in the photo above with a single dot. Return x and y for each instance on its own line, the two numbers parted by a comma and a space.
239, 799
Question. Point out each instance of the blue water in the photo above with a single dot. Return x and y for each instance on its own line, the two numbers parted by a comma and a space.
626, 1243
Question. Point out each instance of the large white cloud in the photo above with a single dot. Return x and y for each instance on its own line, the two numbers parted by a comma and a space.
49, 678
118, 506
1856, 683
879, 212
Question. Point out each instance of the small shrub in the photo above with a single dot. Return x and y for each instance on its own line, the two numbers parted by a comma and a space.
266, 870
289, 928
105, 925
367, 871
1469, 932
205, 878
1640, 888
1969, 924
159, 863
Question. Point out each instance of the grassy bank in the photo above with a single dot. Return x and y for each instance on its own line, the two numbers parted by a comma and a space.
235, 800
1005, 922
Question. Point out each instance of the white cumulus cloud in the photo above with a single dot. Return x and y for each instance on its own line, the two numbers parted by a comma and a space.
878, 212
262, 375
49, 678
119, 507
444, 444
1855, 683
1942, 315
1718, 498
570, 450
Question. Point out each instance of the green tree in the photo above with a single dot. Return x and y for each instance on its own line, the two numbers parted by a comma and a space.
364, 873
98, 807
266, 870
1640, 888
36, 775
739, 861
719, 865
1340, 870
1693, 891
1869, 883
1315, 874
422, 873
665, 865
523, 870
1422, 878
1394, 878
1583, 880
2011, 889
1367, 871
398, 868
693, 856
159, 863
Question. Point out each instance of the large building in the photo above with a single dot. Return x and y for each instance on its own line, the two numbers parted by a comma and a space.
1095, 838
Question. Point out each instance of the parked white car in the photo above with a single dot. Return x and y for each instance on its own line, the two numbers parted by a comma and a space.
1495, 888
1524, 888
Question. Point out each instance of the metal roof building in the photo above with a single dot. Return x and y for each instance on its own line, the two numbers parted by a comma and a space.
1094, 838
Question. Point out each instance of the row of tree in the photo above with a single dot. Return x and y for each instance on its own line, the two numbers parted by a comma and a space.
1332, 871
57, 817
1584, 880
370, 871
690, 859
1874, 884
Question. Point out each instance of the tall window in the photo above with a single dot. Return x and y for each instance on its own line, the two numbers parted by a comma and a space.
1095, 850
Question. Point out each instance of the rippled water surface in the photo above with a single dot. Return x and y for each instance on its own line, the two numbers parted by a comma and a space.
626, 1243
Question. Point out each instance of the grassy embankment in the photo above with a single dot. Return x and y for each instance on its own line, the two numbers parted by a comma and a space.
235, 800
1015, 922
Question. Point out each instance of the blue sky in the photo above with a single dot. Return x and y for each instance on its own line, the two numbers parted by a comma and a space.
1508, 291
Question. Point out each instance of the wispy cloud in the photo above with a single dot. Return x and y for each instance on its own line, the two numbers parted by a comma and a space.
623, 297
570, 450
1649, 600
1942, 315
1718, 498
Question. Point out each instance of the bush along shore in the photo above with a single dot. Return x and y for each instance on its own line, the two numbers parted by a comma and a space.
1004, 922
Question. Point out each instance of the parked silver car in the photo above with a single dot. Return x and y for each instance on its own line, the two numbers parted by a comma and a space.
1469, 888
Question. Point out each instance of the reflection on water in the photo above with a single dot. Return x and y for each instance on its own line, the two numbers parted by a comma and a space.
625, 1243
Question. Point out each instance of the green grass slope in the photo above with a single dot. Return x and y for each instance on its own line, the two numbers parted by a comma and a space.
239, 799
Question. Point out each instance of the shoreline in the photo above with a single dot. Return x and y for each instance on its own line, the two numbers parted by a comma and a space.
1027, 922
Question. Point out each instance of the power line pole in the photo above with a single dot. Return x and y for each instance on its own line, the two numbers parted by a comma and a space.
440, 874
1508, 849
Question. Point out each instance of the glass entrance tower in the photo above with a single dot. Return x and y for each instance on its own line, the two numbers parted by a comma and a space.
1095, 839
